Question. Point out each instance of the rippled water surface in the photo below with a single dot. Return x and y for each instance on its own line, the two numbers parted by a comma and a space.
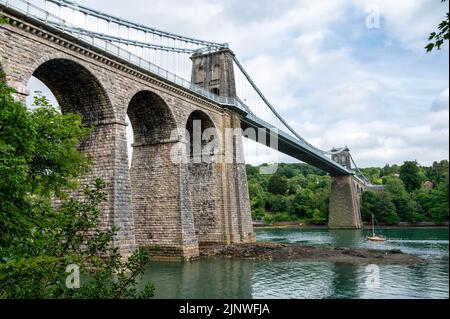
222, 278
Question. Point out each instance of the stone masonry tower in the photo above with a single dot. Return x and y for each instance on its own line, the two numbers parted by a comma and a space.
345, 195
342, 157
214, 72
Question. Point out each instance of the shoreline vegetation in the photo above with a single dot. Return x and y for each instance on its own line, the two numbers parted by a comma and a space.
296, 225
405, 195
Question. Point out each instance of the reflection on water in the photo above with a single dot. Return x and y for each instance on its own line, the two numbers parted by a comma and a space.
211, 278
225, 278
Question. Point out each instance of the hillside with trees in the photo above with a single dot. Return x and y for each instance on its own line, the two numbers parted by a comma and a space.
300, 192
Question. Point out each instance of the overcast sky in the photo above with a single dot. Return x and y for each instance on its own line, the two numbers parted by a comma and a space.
343, 72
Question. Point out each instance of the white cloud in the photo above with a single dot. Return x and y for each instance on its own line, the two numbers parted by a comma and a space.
441, 102
409, 21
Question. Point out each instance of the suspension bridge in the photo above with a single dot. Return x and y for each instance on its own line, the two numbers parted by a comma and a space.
206, 70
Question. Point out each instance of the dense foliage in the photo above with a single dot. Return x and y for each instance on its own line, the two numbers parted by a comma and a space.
299, 192
39, 166
412, 193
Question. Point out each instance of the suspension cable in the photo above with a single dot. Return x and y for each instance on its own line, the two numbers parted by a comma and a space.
121, 40
130, 24
261, 95
359, 171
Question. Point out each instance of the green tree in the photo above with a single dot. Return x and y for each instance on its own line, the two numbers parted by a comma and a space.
368, 201
301, 205
251, 170
319, 217
433, 204
405, 206
384, 209
437, 38
3, 19
373, 174
438, 172
40, 162
277, 185
410, 175
388, 170
277, 203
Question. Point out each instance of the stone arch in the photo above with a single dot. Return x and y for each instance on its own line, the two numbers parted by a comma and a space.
76, 89
151, 118
204, 178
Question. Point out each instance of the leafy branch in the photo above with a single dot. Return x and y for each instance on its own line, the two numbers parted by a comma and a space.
437, 38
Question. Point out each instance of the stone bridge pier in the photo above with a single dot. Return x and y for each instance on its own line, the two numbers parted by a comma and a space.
345, 197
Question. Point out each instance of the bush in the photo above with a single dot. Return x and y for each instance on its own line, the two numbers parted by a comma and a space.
40, 161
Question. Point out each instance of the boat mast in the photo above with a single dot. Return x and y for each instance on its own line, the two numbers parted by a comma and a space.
373, 227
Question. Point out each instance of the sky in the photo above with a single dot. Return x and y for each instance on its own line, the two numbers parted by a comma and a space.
342, 72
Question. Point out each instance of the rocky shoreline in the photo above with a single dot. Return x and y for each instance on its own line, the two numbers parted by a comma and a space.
287, 252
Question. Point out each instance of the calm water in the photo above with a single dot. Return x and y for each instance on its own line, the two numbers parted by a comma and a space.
220, 278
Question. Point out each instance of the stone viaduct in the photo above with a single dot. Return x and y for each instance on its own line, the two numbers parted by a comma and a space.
161, 205
167, 207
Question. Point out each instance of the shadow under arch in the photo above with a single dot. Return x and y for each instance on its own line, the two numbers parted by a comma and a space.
151, 118
76, 89
203, 137
204, 175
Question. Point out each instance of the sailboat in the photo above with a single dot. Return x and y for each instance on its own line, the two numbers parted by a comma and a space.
375, 237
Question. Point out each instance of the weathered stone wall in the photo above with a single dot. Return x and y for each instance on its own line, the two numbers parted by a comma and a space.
344, 203
238, 186
152, 205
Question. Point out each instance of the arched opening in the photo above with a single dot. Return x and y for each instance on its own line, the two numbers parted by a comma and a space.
154, 177
203, 173
151, 118
203, 137
75, 89
36, 88
72, 88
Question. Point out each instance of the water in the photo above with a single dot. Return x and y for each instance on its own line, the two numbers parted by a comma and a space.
223, 278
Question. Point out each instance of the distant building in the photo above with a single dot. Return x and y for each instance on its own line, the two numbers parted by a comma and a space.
428, 184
